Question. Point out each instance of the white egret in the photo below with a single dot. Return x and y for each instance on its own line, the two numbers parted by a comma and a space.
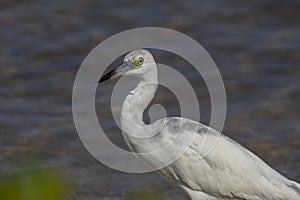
228, 172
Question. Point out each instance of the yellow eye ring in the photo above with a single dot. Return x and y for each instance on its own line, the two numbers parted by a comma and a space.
138, 62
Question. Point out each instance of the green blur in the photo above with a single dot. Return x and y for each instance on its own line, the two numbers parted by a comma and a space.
34, 184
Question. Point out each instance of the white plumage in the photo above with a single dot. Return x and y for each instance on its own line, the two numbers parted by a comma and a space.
229, 171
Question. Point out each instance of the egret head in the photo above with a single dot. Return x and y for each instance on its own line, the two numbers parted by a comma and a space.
136, 63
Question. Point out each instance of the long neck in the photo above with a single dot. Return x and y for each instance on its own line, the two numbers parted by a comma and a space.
135, 103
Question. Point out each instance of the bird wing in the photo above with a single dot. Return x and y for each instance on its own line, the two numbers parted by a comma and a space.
222, 168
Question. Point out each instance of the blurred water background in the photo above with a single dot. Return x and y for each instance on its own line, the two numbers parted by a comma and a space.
255, 44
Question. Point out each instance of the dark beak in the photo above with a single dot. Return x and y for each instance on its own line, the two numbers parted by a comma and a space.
119, 71
107, 76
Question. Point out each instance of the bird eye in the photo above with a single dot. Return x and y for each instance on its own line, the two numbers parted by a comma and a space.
138, 62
